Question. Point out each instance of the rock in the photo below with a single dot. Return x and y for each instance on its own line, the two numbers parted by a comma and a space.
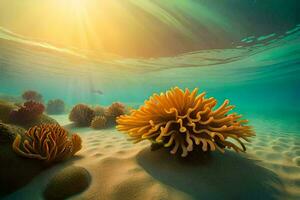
8, 133
297, 160
43, 119
67, 182
15, 171
5, 109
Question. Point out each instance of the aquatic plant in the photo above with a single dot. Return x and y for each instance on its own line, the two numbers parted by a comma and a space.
99, 110
82, 115
115, 110
27, 113
47, 142
180, 119
99, 122
55, 106
31, 95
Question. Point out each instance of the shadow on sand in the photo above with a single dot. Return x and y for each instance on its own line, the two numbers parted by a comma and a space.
212, 176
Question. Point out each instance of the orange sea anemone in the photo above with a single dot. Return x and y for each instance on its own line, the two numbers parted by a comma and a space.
48, 142
181, 119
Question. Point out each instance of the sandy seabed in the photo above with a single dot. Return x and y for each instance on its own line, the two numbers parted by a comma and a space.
121, 170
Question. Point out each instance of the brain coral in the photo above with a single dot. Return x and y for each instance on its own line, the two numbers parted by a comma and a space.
48, 142
180, 119
82, 115
31, 95
99, 122
28, 112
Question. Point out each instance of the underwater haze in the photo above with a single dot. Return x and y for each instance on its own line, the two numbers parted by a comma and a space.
100, 52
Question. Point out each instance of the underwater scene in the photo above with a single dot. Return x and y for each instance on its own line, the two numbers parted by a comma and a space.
150, 100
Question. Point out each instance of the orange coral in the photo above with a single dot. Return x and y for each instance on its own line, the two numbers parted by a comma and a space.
48, 142
99, 122
180, 119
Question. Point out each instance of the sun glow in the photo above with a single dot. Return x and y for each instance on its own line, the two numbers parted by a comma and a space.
121, 27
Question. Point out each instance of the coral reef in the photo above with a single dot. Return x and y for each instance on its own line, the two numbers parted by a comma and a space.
56, 106
115, 110
48, 142
100, 110
67, 182
99, 122
29, 112
180, 119
82, 115
31, 95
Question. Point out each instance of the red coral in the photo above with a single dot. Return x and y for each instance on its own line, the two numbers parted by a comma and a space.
31, 95
27, 113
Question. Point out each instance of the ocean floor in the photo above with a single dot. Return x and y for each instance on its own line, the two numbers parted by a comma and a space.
121, 170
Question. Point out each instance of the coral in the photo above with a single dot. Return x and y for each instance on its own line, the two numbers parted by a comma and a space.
180, 119
67, 182
56, 106
48, 142
29, 112
99, 111
82, 115
99, 122
31, 95
115, 110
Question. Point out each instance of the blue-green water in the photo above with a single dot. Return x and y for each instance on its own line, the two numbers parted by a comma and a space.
261, 75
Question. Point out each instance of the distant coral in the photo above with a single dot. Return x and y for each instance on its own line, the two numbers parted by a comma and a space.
180, 119
48, 142
31, 95
99, 122
115, 110
82, 115
56, 106
27, 113
99, 110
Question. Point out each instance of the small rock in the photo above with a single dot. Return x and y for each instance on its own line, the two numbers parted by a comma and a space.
67, 182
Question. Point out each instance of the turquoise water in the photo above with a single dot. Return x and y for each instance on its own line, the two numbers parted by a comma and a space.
257, 73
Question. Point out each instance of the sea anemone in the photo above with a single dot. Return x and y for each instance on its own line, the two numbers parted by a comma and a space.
180, 119
56, 106
99, 111
115, 110
31, 95
48, 142
99, 122
82, 115
27, 113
